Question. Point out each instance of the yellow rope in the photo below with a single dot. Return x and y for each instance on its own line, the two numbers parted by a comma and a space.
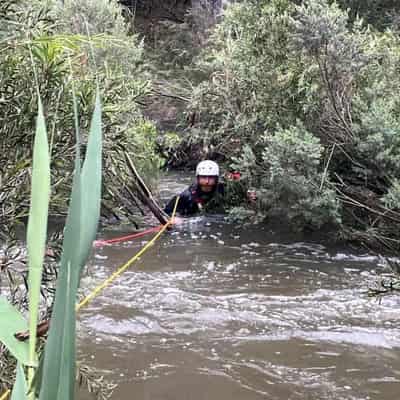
124, 267
5, 394
117, 273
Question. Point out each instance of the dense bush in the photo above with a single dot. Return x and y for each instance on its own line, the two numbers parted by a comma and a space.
53, 36
304, 97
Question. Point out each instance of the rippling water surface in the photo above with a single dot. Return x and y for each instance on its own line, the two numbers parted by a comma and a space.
220, 311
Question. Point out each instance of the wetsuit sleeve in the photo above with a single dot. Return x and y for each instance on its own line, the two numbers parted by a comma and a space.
169, 208
184, 200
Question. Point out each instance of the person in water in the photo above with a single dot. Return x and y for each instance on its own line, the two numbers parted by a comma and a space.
206, 188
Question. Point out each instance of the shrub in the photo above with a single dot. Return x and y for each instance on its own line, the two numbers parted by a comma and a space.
392, 197
55, 37
303, 99
290, 180
249, 87
120, 50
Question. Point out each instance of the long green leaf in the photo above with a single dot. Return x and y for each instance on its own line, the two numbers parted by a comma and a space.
37, 223
91, 182
35, 385
20, 388
11, 322
59, 361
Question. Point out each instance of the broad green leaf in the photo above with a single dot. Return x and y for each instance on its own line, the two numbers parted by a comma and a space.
37, 223
20, 388
11, 322
91, 182
59, 360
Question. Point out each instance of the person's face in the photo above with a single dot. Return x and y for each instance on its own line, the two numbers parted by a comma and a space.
207, 183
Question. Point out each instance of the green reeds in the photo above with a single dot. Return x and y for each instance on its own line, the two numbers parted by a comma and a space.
12, 321
37, 229
56, 379
20, 389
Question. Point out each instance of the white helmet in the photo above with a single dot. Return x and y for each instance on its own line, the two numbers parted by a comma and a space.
207, 168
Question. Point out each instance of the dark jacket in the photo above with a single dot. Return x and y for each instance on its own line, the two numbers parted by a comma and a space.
193, 199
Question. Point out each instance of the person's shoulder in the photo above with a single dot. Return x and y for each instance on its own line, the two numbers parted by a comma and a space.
189, 191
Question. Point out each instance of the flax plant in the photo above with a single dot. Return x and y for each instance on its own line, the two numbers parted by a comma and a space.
37, 231
54, 377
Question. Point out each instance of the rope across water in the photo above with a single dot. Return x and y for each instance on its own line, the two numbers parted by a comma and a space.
124, 267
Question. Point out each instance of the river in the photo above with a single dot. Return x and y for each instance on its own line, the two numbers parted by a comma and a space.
223, 311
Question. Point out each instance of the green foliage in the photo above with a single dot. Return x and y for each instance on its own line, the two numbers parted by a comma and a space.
290, 178
58, 380
20, 389
292, 152
249, 87
57, 36
241, 214
37, 225
88, 15
379, 136
392, 197
91, 175
121, 51
31, 27
58, 369
12, 321
245, 163
301, 97
144, 138
171, 141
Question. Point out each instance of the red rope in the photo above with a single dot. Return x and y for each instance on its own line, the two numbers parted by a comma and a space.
127, 237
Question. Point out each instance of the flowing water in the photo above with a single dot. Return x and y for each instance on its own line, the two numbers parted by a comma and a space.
220, 311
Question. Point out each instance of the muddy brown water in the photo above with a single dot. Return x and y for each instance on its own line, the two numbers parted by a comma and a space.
220, 311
